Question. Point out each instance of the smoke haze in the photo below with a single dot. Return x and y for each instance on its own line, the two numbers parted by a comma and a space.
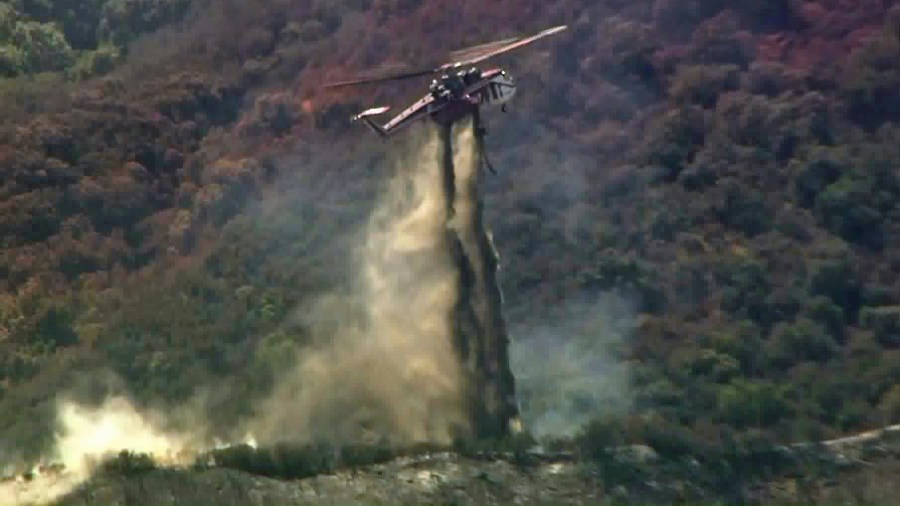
565, 363
87, 435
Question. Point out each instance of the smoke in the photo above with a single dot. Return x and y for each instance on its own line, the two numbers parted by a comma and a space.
564, 347
88, 435
382, 365
566, 364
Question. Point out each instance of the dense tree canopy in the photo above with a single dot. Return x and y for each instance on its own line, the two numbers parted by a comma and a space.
735, 176
72, 35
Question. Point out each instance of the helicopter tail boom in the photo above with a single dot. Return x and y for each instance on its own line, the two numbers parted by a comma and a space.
367, 117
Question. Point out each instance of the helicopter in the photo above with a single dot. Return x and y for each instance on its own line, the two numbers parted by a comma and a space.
460, 89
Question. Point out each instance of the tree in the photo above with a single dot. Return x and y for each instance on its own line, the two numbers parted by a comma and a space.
889, 407
11, 61
44, 47
801, 340
744, 403
8, 17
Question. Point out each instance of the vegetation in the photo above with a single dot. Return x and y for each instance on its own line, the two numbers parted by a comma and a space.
81, 38
165, 224
292, 461
128, 464
724, 465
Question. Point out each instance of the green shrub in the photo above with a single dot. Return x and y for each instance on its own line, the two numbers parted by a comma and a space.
516, 446
669, 440
846, 209
675, 139
668, 222
359, 455
714, 366
95, 63
698, 176
8, 18
801, 340
122, 20
599, 436
755, 453
839, 281
44, 47
602, 438
292, 460
47, 36
856, 205
616, 272
655, 390
128, 464
814, 178
829, 315
745, 403
768, 78
884, 322
853, 413
702, 84
876, 294
870, 82
281, 461
744, 209
742, 343
770, 15
55, 327
745, 286
11, 61
889, 406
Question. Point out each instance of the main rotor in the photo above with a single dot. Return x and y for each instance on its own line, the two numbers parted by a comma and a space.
458, 60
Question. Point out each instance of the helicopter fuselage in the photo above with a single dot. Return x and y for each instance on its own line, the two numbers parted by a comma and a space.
450, 98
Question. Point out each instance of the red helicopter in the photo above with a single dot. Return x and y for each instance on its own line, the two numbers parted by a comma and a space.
457, 92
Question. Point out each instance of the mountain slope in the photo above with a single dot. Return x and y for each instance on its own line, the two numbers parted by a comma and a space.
730, 172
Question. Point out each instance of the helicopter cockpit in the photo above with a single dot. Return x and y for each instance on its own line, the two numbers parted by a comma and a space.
454, 85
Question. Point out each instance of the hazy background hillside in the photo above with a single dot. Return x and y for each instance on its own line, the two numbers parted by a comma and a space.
696, 207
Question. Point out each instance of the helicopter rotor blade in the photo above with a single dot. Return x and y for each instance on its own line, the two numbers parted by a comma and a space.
378, 79
467, 56
515, 44
475, 51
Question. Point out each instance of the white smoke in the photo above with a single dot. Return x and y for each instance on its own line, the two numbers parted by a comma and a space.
88, 435
567, 366
91, 434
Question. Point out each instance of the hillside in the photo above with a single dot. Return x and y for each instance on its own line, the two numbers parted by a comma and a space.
855, 470
712, 189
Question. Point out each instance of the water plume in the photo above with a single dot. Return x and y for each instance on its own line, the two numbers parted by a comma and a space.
479, 326
414, 349
383, 364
